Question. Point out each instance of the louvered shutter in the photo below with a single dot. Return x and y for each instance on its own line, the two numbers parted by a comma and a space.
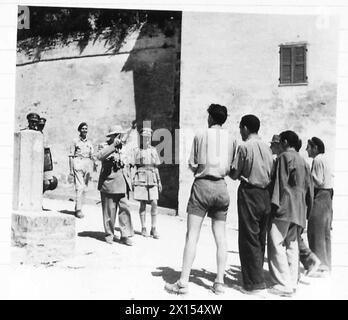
299, 66
285, 65
293, 64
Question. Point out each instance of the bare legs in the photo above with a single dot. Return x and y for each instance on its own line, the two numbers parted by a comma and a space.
194, 224
142, 214
219, 232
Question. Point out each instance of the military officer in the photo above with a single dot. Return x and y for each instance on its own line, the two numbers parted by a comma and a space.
80, 161
114, 186
33, 120
50, 182
41, 124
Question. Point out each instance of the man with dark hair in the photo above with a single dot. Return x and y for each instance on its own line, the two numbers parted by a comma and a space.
211, 156
291, 198
253, 167
308, 258
252, 123
320, 218
218, 113
80, 162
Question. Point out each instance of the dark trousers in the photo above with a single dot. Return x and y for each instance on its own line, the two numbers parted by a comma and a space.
254, 206
319, 227
110, 204
305, 254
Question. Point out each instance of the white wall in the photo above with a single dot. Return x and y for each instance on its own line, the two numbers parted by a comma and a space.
233, 59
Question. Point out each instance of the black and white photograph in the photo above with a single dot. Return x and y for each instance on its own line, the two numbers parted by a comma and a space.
176, 153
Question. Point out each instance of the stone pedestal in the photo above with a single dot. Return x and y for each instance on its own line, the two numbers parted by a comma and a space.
44, 236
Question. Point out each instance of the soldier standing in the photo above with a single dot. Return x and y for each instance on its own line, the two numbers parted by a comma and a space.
80, 162
147, 181
50, 182
33, 120
114, 186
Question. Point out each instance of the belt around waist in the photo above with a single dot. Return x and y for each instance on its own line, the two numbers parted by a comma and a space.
211, 178
248, 185
329, 190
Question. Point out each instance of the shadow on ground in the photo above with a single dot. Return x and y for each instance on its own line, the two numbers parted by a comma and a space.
100, 236
93, 234
67, 212
170, 275
233, 277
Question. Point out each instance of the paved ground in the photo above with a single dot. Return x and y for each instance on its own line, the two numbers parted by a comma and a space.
102, 271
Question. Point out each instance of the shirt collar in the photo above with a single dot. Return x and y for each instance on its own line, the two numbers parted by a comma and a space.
215, 126
319, 156
83, 140
253, 136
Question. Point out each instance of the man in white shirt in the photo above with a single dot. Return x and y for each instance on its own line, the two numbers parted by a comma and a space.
210, 160
320, 218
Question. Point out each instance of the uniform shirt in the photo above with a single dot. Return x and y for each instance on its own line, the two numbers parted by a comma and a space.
254, 161
146, 157
212, 153
321, 172
81, 148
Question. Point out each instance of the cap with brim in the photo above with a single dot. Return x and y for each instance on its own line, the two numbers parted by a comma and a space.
275, 139
146, 132
33, 116
115, 130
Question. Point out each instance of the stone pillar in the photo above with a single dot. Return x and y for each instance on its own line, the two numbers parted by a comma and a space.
28, 171
44, 236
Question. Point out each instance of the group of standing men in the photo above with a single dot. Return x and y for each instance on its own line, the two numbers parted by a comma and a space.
116, 180
275, 198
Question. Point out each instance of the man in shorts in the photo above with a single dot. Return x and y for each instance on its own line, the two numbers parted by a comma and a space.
210, 160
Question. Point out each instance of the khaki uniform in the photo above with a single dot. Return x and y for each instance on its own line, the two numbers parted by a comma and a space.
82, 153
146, 178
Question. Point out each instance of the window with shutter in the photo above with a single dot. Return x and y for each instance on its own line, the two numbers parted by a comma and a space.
293, 64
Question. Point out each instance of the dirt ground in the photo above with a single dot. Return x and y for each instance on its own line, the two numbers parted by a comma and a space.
102, 271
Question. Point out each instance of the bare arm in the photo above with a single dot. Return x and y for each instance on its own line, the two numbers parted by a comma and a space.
193, 163
237, 165
71, 158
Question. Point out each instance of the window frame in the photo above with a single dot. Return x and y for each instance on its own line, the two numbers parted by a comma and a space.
292, 46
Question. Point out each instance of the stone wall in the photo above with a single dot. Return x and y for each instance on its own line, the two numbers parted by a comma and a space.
68, 86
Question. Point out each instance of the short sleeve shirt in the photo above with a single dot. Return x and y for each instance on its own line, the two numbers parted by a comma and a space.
81, 148
254, 161
212, 152
321, 172
148, 157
